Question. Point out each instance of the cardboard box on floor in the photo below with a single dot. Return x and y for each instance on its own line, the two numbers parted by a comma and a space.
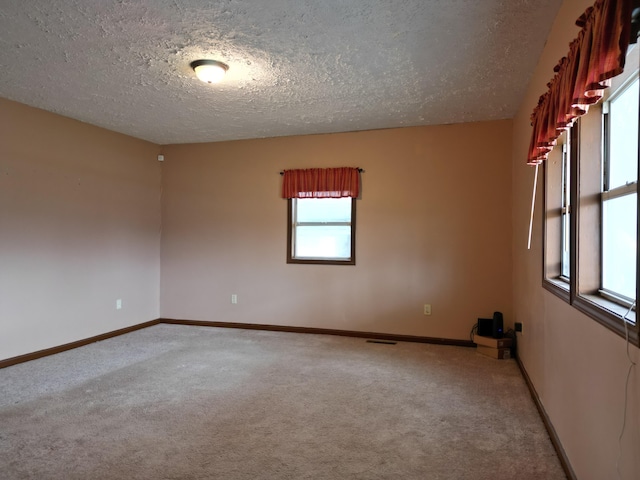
492, 342
499, 353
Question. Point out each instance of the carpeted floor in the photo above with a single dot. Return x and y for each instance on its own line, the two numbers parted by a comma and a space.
182, 402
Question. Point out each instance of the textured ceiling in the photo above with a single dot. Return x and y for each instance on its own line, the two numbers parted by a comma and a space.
296, 66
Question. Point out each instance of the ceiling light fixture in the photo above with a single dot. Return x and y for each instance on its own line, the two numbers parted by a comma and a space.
209, 71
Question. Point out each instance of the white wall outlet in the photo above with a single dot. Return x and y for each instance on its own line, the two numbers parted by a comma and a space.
119, 304
234, 298
427, 309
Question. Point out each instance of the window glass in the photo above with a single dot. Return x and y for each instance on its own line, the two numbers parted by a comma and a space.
619, 245
565, 265
321, 230
323, 210
323, 242
623, 143
619, 199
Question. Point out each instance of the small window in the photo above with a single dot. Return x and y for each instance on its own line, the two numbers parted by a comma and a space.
321, 231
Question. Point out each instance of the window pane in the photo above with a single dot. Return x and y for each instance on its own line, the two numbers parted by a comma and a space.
624, 137
323, 209
565, 258
565, 265
619, 245
323, 242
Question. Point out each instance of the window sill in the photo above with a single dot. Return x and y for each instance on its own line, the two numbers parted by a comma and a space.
612, 307
318, 261
609, 314
558, 287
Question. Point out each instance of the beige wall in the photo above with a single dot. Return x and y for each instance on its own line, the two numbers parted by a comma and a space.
577, 366
79, 228
433, 226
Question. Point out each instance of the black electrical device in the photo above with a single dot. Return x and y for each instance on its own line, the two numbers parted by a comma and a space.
498, 325
491, 327
485, 327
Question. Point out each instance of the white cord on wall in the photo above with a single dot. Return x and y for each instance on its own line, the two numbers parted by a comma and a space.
626, 390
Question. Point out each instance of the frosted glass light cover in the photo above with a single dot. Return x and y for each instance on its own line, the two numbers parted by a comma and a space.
210, 72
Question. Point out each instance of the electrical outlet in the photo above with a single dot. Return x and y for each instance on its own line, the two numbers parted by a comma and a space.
427, 309
517, 327
234, 298
119, 304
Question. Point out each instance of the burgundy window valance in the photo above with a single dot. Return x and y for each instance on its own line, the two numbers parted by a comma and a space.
595, 56
321, 183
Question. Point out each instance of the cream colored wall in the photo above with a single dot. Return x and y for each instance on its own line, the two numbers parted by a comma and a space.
433, 226
577, 366
79, 228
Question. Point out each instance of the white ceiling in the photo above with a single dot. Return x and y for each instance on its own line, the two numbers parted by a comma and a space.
296, 66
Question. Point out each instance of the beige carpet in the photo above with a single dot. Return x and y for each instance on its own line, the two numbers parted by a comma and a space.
181, 402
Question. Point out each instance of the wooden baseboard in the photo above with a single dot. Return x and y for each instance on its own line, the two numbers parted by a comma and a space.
555, 440
323, 331
247, 326
68, 346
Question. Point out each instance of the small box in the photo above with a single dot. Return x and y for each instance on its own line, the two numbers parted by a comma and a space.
499, 353
492, 342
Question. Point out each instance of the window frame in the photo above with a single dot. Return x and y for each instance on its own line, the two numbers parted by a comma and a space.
319, 261
552, 279
608, 193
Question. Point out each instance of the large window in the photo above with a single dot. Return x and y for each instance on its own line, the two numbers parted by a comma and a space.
321, 230
591, 208
591, 171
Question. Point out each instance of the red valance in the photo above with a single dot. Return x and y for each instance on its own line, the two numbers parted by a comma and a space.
595, 56
321, 183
